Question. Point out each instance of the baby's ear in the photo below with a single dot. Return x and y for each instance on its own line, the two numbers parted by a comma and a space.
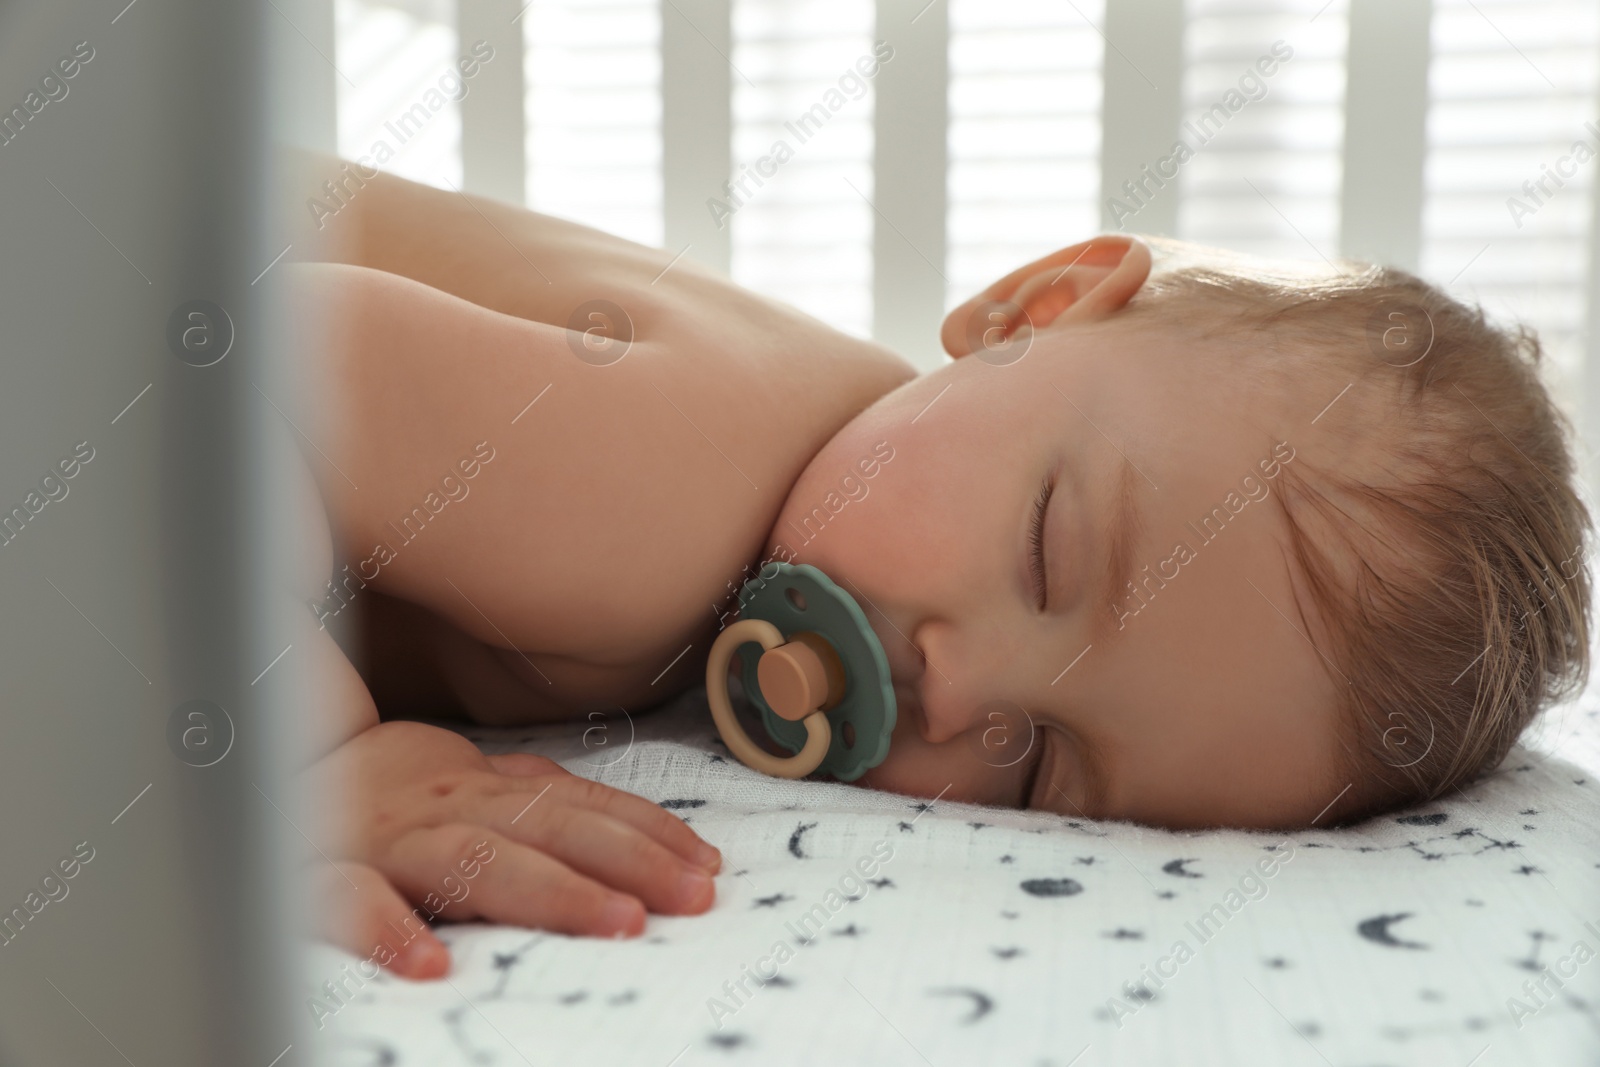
1079, 284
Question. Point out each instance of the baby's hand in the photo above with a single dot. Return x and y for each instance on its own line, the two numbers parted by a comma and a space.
433, 823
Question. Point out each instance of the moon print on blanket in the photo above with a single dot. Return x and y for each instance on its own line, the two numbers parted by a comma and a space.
794, 840
1376, 930
982, 1003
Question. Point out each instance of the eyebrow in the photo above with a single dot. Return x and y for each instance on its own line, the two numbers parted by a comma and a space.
1121, 535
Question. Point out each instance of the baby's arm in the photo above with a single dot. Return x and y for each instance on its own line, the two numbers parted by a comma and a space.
596, 542
426, 825
494, 254
594, 535
591, 530
608, 507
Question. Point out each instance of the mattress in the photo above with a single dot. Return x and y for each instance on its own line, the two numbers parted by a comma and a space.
858, 927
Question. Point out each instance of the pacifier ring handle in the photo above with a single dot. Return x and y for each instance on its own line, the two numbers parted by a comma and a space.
819, 734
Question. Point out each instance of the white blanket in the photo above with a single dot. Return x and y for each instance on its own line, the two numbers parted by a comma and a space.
984, 935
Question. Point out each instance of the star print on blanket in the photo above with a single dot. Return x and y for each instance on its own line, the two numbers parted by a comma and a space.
853, 926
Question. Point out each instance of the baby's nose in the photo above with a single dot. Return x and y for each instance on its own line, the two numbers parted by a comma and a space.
926, 683
961, 685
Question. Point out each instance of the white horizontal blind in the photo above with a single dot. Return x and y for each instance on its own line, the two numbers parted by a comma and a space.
803, 112
1024, 134
593, 76
1264, 178
1512, 86
390, 59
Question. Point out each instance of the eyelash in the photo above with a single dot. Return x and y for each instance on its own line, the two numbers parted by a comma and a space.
1047, 786
1036, 539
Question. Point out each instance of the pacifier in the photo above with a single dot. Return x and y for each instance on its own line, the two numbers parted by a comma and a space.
813, 668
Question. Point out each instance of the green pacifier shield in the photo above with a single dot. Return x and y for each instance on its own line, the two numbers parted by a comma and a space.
797, 598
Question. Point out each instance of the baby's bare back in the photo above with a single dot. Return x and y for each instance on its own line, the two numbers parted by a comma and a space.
546, 519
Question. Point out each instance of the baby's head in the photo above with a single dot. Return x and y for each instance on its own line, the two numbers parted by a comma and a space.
1218, 544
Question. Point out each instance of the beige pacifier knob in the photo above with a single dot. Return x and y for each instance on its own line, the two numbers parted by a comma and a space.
801, 676
823, 672
793, 671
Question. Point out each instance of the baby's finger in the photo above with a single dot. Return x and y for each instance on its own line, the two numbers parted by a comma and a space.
365, 915
514, 884
612, 852
637, 812
642, 815
525, 765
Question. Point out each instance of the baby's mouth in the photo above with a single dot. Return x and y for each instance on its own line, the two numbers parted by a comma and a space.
908, 709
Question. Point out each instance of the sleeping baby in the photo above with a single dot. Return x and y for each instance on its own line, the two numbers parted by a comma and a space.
1176, 538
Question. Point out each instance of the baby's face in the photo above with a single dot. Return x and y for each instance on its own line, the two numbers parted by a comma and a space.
1203, 702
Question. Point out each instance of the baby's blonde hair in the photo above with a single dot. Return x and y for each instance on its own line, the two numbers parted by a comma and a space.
1459, 607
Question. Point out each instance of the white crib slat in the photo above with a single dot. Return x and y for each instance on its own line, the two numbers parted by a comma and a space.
696, 125
908, 174
1385, 132
493, 124
1140, 112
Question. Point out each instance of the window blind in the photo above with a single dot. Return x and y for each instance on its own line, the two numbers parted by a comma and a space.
1024, 134
593, 76
1508, 192
1513, 88
1265, 177
389, 57
803, 111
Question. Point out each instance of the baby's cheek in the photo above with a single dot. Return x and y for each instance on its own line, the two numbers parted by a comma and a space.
915, 767
898, 775
850, 540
